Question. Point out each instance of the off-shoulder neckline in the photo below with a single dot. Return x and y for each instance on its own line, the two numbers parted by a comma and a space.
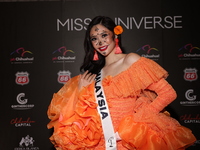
126, 70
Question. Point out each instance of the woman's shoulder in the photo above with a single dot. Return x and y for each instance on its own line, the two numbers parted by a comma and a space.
131, 58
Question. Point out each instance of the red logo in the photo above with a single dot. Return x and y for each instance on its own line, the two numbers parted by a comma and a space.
64, 76
22, 78
19, 122
190, 74
190, 118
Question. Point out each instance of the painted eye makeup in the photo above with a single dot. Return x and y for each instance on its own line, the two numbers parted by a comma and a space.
104, 35
93, 39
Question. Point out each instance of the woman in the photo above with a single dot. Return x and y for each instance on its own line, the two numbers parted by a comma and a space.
118, 102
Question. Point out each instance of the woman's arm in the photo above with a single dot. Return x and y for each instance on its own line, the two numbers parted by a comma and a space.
165, 95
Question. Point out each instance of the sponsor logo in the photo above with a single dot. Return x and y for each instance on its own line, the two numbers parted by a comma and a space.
64, 76
62, 54
191, 99
189, 52
20, 122
22, 78
149, 52
190, 118
190, 74
21, 56
189, 95
22, 103
26, 143
145, 22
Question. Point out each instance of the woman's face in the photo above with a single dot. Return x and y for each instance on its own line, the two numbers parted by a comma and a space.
102, 39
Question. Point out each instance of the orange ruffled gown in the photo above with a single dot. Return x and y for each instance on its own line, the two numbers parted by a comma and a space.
136, 98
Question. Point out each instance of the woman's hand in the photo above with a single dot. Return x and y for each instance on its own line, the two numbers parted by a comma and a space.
86, 79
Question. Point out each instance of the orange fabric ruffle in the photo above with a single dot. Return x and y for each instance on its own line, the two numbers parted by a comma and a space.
150, 136
137, 77
61, 99
134, 102
74, 118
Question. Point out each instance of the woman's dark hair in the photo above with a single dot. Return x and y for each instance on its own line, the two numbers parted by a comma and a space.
89, 64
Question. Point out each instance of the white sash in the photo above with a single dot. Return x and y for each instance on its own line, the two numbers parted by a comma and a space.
109, 135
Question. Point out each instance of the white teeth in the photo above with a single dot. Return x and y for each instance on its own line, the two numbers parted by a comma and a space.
102, 48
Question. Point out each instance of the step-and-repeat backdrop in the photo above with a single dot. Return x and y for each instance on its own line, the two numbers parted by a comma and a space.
41, 48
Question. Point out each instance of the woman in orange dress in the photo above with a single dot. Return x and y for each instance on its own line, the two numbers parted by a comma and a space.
135, 93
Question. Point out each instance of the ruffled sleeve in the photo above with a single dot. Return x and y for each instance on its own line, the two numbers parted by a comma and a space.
61, 99
137, 77
145, 72
74, 117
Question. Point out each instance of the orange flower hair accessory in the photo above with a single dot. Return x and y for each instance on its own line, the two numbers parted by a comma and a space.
118, 30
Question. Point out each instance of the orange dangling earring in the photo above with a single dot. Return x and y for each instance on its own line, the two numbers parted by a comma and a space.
118, 30
95, 58
117, 48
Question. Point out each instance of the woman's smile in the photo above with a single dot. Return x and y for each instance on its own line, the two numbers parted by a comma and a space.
103, 48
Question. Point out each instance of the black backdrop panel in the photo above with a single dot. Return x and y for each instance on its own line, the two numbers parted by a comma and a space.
42, 47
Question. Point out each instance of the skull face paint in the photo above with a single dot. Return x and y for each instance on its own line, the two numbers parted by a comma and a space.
102, 39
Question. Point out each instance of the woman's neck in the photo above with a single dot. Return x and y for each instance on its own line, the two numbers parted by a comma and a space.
113, 58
